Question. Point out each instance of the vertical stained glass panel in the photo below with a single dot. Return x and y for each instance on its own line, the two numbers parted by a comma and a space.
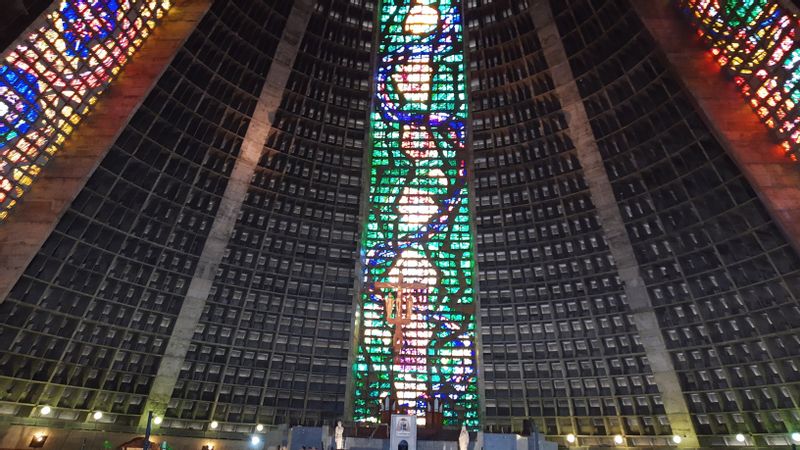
755, 41
416, 323
50, 78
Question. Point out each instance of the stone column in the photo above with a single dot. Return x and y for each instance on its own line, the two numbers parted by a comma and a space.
31, 221
252, 147
613, 226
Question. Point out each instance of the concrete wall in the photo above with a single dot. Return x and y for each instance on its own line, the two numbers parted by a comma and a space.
19, 436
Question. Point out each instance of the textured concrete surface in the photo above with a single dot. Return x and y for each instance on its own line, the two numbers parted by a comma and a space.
34, 218
773, 176
225, 220
613, 226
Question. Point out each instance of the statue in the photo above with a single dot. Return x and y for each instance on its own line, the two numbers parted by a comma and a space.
463, 438
338, 436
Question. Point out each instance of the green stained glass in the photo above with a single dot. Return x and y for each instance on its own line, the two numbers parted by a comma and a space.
417, 321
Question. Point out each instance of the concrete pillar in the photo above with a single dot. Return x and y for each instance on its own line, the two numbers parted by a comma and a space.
252, 147
772, 175
30, 222
613, 226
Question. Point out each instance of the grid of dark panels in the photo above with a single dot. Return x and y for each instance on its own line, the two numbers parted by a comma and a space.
724, 281
18, 15
85, 327
272, 345
558, 343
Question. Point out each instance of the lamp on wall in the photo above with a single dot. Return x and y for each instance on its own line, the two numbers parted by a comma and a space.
38, 440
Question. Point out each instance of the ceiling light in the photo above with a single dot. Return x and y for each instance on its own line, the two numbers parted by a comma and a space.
570, 438
677, 439
259, 427
618, 439
255, 440
740, 437
796, 436
214, 425
97, 415
158, 420
45, 410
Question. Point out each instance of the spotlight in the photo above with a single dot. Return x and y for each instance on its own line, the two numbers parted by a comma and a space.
796, 436
571, 438
45, 410
677, 439
259, 427
255, 440
740, 437
618, 439
157, 420
97, 415
38, 440
214, 425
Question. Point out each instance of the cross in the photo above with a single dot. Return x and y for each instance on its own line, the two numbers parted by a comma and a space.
401, 305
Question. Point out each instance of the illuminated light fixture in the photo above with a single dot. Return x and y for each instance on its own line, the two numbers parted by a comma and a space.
677, 439
618, 439
571, 438
796, 436
157, 420
214, 424
38, 440
259, 427
255, 440
45, 410
97, 415
740, 437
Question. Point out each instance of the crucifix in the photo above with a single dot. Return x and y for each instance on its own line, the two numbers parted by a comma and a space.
399, 307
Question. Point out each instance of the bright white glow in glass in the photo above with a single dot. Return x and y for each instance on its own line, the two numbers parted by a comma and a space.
677, 439
255, 440
214, 425
97, 415
570, 438
45, 410
740, 437
618, 439
259, 427
796, 437
421, 19
158, 420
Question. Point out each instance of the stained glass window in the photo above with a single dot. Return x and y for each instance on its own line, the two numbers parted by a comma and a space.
50, 78
755, 42
416, 321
